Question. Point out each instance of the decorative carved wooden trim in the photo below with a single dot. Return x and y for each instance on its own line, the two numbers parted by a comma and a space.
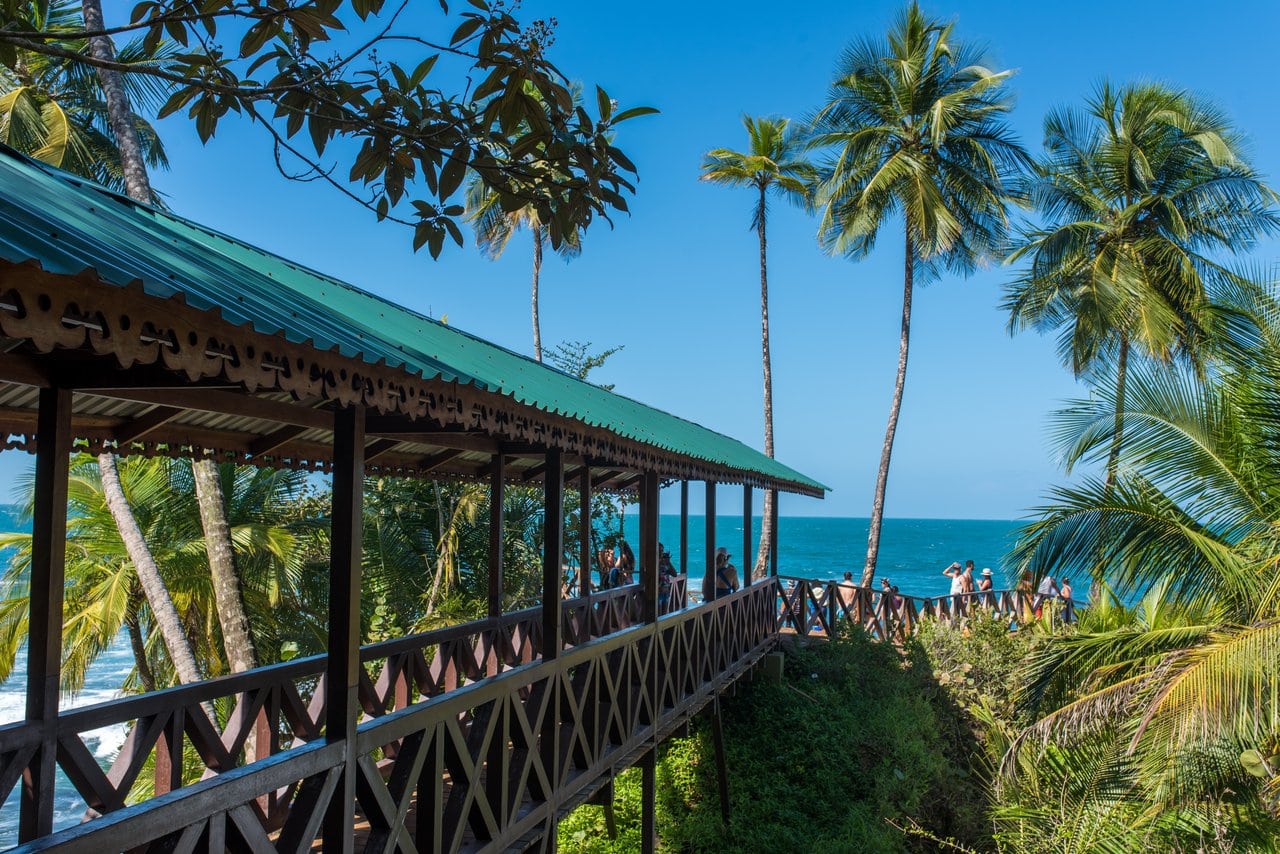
80, 313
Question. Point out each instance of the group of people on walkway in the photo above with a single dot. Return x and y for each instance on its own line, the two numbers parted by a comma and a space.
1032, 596
617, 568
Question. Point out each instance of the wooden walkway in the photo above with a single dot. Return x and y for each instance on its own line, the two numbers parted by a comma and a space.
468, 740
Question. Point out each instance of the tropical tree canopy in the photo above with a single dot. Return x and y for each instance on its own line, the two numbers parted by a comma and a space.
914, 129
51, 105
773, 162
1189, 686
320, 68
1139, 195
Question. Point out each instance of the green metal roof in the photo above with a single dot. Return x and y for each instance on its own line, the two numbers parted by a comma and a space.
67, 225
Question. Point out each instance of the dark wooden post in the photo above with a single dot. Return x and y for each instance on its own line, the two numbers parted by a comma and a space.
44, 633
773, 537
586, 557
649, 545
709, 580
552, 552
684, 530
497, 483
649, 801
552, 635
342, 670
748, 553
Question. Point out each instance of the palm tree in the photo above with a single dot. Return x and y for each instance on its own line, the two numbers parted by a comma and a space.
103, 590
1191, 694
1138, 193
494, 229
913, 126
52, 108
773, 163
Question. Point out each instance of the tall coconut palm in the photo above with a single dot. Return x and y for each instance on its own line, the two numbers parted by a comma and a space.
103, 594
914, 133
774, 162
52, 107
137, 182
1139, 195
1192, 514
494, 229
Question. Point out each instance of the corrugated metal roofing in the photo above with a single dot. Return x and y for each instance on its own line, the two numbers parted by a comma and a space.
68, 225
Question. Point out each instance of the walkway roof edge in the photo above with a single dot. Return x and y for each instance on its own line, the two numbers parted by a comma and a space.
68, 225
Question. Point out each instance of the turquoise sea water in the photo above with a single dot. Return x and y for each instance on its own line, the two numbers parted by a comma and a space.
913, 553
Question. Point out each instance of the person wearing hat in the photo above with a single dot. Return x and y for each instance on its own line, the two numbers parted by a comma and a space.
984, 587
726, 574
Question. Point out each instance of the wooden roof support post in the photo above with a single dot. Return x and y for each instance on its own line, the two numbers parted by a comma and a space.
748, 553
586, 557
649, 801
48, 566
342, 669
709, 580
552, 633
497, 523
773, 536
684, 529
649, 546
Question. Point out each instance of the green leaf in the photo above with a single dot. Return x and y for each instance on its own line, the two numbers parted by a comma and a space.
466, 29
633, 113
1255, 764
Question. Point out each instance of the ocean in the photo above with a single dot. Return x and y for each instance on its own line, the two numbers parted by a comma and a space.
913, 553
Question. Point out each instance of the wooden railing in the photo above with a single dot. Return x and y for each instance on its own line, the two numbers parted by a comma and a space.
809, 606
467, 738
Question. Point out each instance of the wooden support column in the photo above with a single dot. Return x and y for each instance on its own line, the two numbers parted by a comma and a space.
586, 556
44, 648
342, 669
709, 580
773, 536
552, 553
722, 766
552, 634
748, 553
649, 801
649, 545
684, 529
497, 483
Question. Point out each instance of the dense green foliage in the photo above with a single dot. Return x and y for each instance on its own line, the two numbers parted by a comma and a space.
856, 739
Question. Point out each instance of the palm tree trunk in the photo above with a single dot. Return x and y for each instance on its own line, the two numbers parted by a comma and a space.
537, 274
882, 478
1117, 438
138, 186
136, 642
119, 112
162, 608
237, 640
212, 509
770, 496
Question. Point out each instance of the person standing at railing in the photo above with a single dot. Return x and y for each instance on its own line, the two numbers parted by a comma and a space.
726, 574
985, 585
1047, 590
666, 572
1023, 593
1068, 602
954, 572
604, 563
966, 587
624, 566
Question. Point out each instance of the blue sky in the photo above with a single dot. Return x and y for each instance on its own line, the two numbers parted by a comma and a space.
677, 281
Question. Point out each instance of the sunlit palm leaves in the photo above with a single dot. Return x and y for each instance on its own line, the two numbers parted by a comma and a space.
101, 584
1192, 679
52, 108
914, 129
